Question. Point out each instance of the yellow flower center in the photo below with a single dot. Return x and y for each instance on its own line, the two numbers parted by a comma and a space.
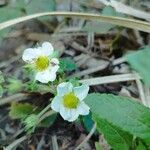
70, 100
42, 63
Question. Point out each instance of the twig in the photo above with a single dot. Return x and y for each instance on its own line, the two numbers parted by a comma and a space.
91, 70
40, 143
7, 63
2, 135
141, 91
15, 143
54, 143
3, 118
111, 79
118, 61
43, 36
147, 94
16, 97
44, 110
71, 29
87, 138
77, 46
18, 132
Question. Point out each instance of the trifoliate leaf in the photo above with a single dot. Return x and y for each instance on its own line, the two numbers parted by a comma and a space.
32, 86
14, 85
122, 112
140, 61
20, 110
66, 64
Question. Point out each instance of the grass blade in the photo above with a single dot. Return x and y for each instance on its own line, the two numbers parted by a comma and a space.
129, 23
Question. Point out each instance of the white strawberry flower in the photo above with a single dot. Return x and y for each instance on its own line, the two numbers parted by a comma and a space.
69, 101
43, 61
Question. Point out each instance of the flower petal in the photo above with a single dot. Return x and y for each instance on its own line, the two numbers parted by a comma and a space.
83, 109
30, 54
69, 114
65, 113
56, 103
52, 72
73, 115
47, 49
81, 91
47, 75
64, 88
43, 76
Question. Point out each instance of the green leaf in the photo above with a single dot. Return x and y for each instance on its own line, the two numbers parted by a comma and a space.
38, 6
110, 11
141, 146
32, 86
98, 146
21, 111
14, 85
117, 138
8, 13
140, 62
122, 112
67, 64
21, 4
88, 122
47, 122
102, 27
74, 81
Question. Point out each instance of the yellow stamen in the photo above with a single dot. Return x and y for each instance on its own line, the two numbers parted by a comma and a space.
42, 63
70, 100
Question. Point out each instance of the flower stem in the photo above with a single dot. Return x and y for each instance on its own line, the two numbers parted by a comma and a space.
44, 110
